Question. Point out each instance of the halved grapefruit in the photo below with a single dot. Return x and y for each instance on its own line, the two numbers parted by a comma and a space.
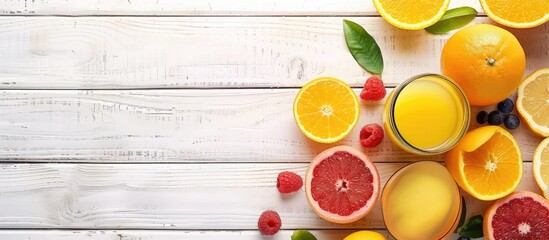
342, 184
521, 215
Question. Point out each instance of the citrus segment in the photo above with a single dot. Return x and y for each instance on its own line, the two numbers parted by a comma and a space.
541, 166
341, 184
410, 14
533, 101
365, 235
326, 110
517, 14
521, 215
486, 163
486, 61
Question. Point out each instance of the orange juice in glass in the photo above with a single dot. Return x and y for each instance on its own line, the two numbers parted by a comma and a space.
421, 201
426, 114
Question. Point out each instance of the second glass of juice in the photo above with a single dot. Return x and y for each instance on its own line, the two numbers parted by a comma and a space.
421, 201
426, 114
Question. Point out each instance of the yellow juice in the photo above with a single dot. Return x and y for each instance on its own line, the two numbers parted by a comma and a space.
427, 114
421, 201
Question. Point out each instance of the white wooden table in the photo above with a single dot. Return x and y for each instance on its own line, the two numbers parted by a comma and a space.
170, 119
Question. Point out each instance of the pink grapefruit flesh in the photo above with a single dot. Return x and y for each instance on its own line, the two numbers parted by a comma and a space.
521, 215
342, 184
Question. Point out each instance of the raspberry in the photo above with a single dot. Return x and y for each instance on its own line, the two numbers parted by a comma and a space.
373, 90
288, 182
371, 135
269, 222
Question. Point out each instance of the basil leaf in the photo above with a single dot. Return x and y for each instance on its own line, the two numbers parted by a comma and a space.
453, 19
473, 228
363, 47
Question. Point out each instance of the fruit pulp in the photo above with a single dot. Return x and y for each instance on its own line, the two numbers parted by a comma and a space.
421, 201
427, 114
342, 180
342, 184
522, 222
520, 215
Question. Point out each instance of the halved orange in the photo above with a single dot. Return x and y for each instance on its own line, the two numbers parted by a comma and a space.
540, 166
411, 14
533, 101
517, 14
326, 110
486, 163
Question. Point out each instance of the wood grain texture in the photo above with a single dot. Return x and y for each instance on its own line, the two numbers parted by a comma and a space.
165, 235
204, 8
231, 125
212, 52
169, 196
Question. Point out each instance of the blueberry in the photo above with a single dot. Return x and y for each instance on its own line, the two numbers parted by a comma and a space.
511, 121
506, 106
482, 117
495, 118
463, 238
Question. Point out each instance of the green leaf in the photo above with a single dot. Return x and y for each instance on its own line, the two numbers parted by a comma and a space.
473, 228
453, 19
463, 214
363, 47
303, 235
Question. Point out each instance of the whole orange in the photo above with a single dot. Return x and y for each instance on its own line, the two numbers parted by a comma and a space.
486, 61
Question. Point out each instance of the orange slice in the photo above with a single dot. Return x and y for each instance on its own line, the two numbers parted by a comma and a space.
411, 14
541, 166
486, 163
326, 110
533, 101
517, 14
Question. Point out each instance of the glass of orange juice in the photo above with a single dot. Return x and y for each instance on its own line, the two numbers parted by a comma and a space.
421, 201
426, 114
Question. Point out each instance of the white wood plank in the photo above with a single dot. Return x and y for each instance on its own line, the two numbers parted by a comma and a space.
207, 7
212, 52
169, 235
170, 196
231, 125
166, 235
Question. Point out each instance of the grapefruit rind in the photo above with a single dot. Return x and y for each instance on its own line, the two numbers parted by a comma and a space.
536, 167
335, 218
469, 143
491, 210
331, 139
538, 129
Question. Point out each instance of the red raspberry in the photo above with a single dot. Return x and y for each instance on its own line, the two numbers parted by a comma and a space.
288, 182
269, 222
373, 90
371, 135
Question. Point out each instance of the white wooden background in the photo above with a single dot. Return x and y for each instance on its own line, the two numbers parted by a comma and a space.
169, 119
